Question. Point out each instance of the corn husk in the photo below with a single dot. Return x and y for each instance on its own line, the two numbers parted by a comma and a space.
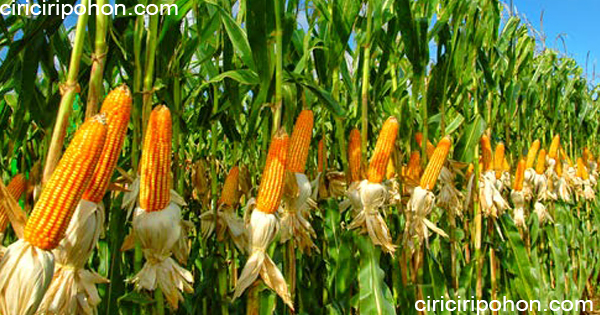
352, 200
491, 201
296, 215
158, 233
519, 208
542, 213
372, 197
262, 228
25, 274
228, 223
449, 197
417, 228
73, 289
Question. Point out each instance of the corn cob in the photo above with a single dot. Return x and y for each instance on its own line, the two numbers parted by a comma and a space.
271, 186
559, 168
300, 142
16, 188
564, 156
486, 153
355, 156
383, 150
553, 151
541, 162
499, 159
414, 166
155, 166
505, 165
53, 211
390, 170
321, 157
470, 170
520, 175
581, 170
117, 108
229, 196
430, 147
586, 154
532, 153
434, 167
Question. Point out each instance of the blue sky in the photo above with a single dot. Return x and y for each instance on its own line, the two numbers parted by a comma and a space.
576, 20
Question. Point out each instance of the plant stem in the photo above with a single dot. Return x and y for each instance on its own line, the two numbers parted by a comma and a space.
69, 91
148, 92
365, 82
278, 68
98, 61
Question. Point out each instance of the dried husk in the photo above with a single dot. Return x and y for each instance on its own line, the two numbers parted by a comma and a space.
296, 215
449, 197
73, 289
263, 228
372, 197
228, 223
352, 200
25, 274
519, 208
491, 201
417, 228
542, 213
158, 233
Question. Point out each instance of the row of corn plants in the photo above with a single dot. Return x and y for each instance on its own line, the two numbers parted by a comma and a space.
260, 157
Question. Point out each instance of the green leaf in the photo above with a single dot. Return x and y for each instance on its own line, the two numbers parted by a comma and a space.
375, 296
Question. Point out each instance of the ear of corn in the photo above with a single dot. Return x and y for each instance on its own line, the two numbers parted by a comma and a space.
390, 170
541, 162
470, 170
321, 157
16, 188
300, 142
53, 211
414, 166
271, 185
355, 156
499, 159
586, 154
430, 147
505, 165
486, 153
383, 150
520, 175
155, 166
564, 156
532, 153
230, 193
581, 170
553, 151
434, 167
559, 168
117, 108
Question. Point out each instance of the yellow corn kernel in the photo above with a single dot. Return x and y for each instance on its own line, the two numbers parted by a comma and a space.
15, 188
486, 153
541, 162
434, 167
581, 170
300, 142
553, 151
321, 157
155, 165
230, 193
383, 150
499, 159
117, 108
271, 186
52, 213
355, 156
520, 175
532, 153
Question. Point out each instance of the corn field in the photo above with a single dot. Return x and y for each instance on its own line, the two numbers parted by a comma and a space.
293, 157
